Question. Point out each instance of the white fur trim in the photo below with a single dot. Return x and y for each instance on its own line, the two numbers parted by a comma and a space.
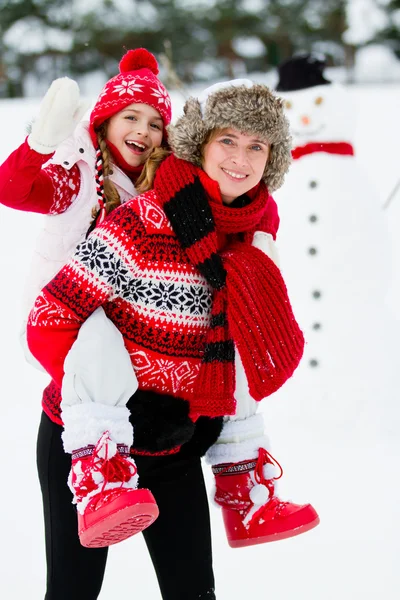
239, 430
232, 453
85, 423
217, 87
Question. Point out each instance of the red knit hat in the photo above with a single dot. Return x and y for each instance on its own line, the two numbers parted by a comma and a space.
137, 82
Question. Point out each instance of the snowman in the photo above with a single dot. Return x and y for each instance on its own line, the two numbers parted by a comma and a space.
334, 255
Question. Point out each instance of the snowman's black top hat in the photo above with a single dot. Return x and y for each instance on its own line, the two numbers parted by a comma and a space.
301, 72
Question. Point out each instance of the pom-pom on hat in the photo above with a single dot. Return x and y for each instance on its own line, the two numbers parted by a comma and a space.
240, 104
300, 72
137, 82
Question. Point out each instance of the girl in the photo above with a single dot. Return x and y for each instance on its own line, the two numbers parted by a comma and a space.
185, 274
69, 171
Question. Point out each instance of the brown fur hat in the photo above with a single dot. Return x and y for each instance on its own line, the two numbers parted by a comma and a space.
249, 108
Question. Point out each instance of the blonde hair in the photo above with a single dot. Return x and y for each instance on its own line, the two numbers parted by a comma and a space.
146, 178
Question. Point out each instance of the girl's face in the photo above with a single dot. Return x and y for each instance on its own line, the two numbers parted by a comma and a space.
135, 131
236, 161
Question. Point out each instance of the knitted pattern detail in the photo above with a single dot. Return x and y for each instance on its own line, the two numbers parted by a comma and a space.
134, 266
66, 186
51, 401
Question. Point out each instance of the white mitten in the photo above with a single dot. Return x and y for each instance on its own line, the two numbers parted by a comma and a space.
60, 111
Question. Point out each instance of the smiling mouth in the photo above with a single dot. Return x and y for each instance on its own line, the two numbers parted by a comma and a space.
136, 147
235, 176
308, 132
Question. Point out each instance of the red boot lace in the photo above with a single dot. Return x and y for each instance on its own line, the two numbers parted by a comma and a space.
265, 457
114, 469
230, 499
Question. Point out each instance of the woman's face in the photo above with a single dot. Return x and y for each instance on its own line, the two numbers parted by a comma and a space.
135, 131
236, 161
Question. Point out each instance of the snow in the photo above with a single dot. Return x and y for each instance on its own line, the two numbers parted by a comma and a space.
253, 6
396, 17
29, 35
365, 18
376, 63
348, 467
249, 47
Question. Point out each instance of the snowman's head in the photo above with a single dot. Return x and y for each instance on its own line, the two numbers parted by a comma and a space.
318, 110
321, 113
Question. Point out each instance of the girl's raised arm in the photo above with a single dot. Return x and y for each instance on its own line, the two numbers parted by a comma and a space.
24, 183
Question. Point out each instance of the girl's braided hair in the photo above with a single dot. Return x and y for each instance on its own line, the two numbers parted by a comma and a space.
108, 196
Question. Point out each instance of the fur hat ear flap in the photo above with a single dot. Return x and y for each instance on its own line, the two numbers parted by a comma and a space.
187, 135
278, 164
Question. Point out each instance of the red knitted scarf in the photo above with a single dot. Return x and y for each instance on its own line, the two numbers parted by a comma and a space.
251, 311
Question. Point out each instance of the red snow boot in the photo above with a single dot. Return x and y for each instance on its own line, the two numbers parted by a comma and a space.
252, 513
103, 480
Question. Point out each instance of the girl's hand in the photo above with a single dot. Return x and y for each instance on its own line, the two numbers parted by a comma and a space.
60, 111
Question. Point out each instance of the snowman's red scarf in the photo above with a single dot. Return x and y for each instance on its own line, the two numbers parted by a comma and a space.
251, 309
343, 148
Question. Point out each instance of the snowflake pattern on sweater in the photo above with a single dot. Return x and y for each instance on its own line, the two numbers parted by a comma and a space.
65, 185
134, 267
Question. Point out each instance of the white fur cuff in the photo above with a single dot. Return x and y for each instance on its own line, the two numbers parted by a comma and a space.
232, 453
239, 430
85, 423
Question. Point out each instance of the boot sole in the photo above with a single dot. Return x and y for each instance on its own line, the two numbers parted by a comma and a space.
275, 537
118, 521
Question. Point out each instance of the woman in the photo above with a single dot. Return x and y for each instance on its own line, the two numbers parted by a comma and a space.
204, 315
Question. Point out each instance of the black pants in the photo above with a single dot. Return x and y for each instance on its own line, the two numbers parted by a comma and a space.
179, 541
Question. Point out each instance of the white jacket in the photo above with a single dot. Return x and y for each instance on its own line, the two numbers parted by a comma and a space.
61, 233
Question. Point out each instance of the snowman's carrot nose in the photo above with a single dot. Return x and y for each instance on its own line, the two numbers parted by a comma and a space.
305, 119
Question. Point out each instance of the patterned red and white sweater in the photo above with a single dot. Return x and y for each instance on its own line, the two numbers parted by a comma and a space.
135, 268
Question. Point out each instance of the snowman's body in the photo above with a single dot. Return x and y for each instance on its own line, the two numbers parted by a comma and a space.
335, 257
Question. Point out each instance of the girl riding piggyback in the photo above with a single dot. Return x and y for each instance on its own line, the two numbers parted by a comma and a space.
76, 173
72, 171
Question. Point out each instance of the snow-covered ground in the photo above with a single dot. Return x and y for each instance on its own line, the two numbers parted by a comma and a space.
350, 472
